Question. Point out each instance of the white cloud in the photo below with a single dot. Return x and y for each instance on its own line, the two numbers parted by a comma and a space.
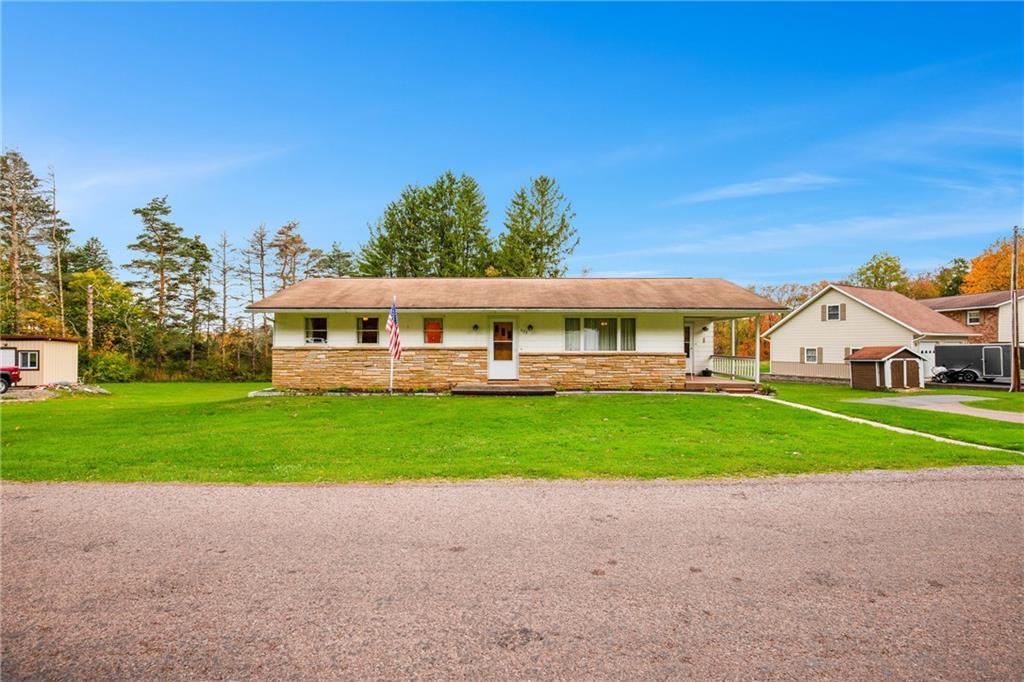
800, 182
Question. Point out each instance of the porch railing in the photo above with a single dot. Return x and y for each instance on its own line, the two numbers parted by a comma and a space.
734, 366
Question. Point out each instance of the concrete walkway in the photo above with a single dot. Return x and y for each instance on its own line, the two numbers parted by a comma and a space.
880, 425
952, 404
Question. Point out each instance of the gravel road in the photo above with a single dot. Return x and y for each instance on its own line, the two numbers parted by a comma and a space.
870, 575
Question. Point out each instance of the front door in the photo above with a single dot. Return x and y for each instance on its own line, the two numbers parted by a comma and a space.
503, 355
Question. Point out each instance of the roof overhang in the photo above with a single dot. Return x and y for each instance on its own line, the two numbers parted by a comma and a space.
723, 312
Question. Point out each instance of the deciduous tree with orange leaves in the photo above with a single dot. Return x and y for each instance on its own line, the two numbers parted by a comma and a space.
990, 271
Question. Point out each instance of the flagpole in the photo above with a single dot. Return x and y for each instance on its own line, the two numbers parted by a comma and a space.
391, 380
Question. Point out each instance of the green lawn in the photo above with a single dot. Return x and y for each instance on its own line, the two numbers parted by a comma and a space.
970, 429
212, 432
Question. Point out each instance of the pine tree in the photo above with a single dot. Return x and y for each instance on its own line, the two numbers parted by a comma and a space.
23, 215
289, 248
456, 217
159, 266
91, 255
539, 235
400, 244
198, 296
334, 263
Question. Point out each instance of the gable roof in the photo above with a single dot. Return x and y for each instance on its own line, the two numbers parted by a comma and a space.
895, 306
992, 299
878, 353
501, 293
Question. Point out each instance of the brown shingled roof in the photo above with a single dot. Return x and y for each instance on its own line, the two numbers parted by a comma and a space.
964, 301
876, 353
913, 314
365, 293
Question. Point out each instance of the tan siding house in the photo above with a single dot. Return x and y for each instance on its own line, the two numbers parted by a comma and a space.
43, 360
570, 333
815, 340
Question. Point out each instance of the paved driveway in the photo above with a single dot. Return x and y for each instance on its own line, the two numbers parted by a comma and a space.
953, 404
846, 577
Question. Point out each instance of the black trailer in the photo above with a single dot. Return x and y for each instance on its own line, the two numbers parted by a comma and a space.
989, 361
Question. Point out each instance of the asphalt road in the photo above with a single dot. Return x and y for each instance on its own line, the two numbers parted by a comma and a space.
905, 575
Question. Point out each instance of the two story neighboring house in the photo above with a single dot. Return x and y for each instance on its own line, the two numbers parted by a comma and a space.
987, 314
816, 340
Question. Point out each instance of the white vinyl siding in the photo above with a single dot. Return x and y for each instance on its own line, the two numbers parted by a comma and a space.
1005, 325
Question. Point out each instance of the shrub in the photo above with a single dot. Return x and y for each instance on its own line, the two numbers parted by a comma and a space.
109, 367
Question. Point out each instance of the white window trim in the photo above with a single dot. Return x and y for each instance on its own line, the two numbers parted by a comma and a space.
977, 321
359, 330
306, 332
432, 343
25, 367
618, 334
807, 359
828, 312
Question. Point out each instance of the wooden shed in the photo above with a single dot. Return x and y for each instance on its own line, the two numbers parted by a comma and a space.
42, 359
877, 368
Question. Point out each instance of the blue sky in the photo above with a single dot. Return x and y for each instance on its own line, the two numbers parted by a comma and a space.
761, 143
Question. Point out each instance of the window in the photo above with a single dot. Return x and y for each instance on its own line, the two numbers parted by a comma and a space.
627, 327
367, 329
316, 330
811, 355
600, 334
28, 359
973, 317
832, 313
572, 333
433, 330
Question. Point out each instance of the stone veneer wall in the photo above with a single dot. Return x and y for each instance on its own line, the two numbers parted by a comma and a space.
989, 327
436, 369
604, 371
441, 368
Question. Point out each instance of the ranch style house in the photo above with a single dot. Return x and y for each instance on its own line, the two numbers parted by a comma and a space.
567, 333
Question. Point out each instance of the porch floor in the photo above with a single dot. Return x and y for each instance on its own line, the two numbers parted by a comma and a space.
699, 383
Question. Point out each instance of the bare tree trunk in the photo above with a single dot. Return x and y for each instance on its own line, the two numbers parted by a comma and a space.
88, 317
58, 251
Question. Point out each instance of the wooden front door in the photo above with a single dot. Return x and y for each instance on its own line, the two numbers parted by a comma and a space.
503, 353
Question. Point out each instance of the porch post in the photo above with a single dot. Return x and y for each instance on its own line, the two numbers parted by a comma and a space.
732, 336
757, 349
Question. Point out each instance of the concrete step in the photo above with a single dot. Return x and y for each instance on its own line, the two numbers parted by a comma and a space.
503, 388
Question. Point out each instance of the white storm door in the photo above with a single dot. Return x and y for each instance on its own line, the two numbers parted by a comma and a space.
503, 351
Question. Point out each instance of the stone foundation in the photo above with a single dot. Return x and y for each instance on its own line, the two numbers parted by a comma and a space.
605, 371
366, 369
438, 369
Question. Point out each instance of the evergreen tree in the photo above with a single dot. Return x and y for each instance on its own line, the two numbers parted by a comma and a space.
400, 244
456, 216
91, 255
24, 212
160, 244
539, 235
289, 248
197, 295
334, 263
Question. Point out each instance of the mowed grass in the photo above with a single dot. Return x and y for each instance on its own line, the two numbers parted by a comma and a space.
961, 427
212, 432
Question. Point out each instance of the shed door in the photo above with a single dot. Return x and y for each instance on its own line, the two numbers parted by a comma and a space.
8, 357
898, 370
913, 376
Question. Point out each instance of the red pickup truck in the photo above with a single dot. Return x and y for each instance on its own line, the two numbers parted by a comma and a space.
8, 377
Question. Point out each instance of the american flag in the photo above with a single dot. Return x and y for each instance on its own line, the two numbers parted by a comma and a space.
394, 337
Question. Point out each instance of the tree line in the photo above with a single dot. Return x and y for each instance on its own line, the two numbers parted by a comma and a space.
178, 309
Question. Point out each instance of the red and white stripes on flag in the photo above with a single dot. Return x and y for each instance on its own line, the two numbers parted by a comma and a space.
394, 337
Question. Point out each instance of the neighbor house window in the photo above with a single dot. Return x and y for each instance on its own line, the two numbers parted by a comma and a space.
600, 333
28, 359
811, 355
572, 333
316, 330
367, 329
832, 313
973, 317
433, 330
